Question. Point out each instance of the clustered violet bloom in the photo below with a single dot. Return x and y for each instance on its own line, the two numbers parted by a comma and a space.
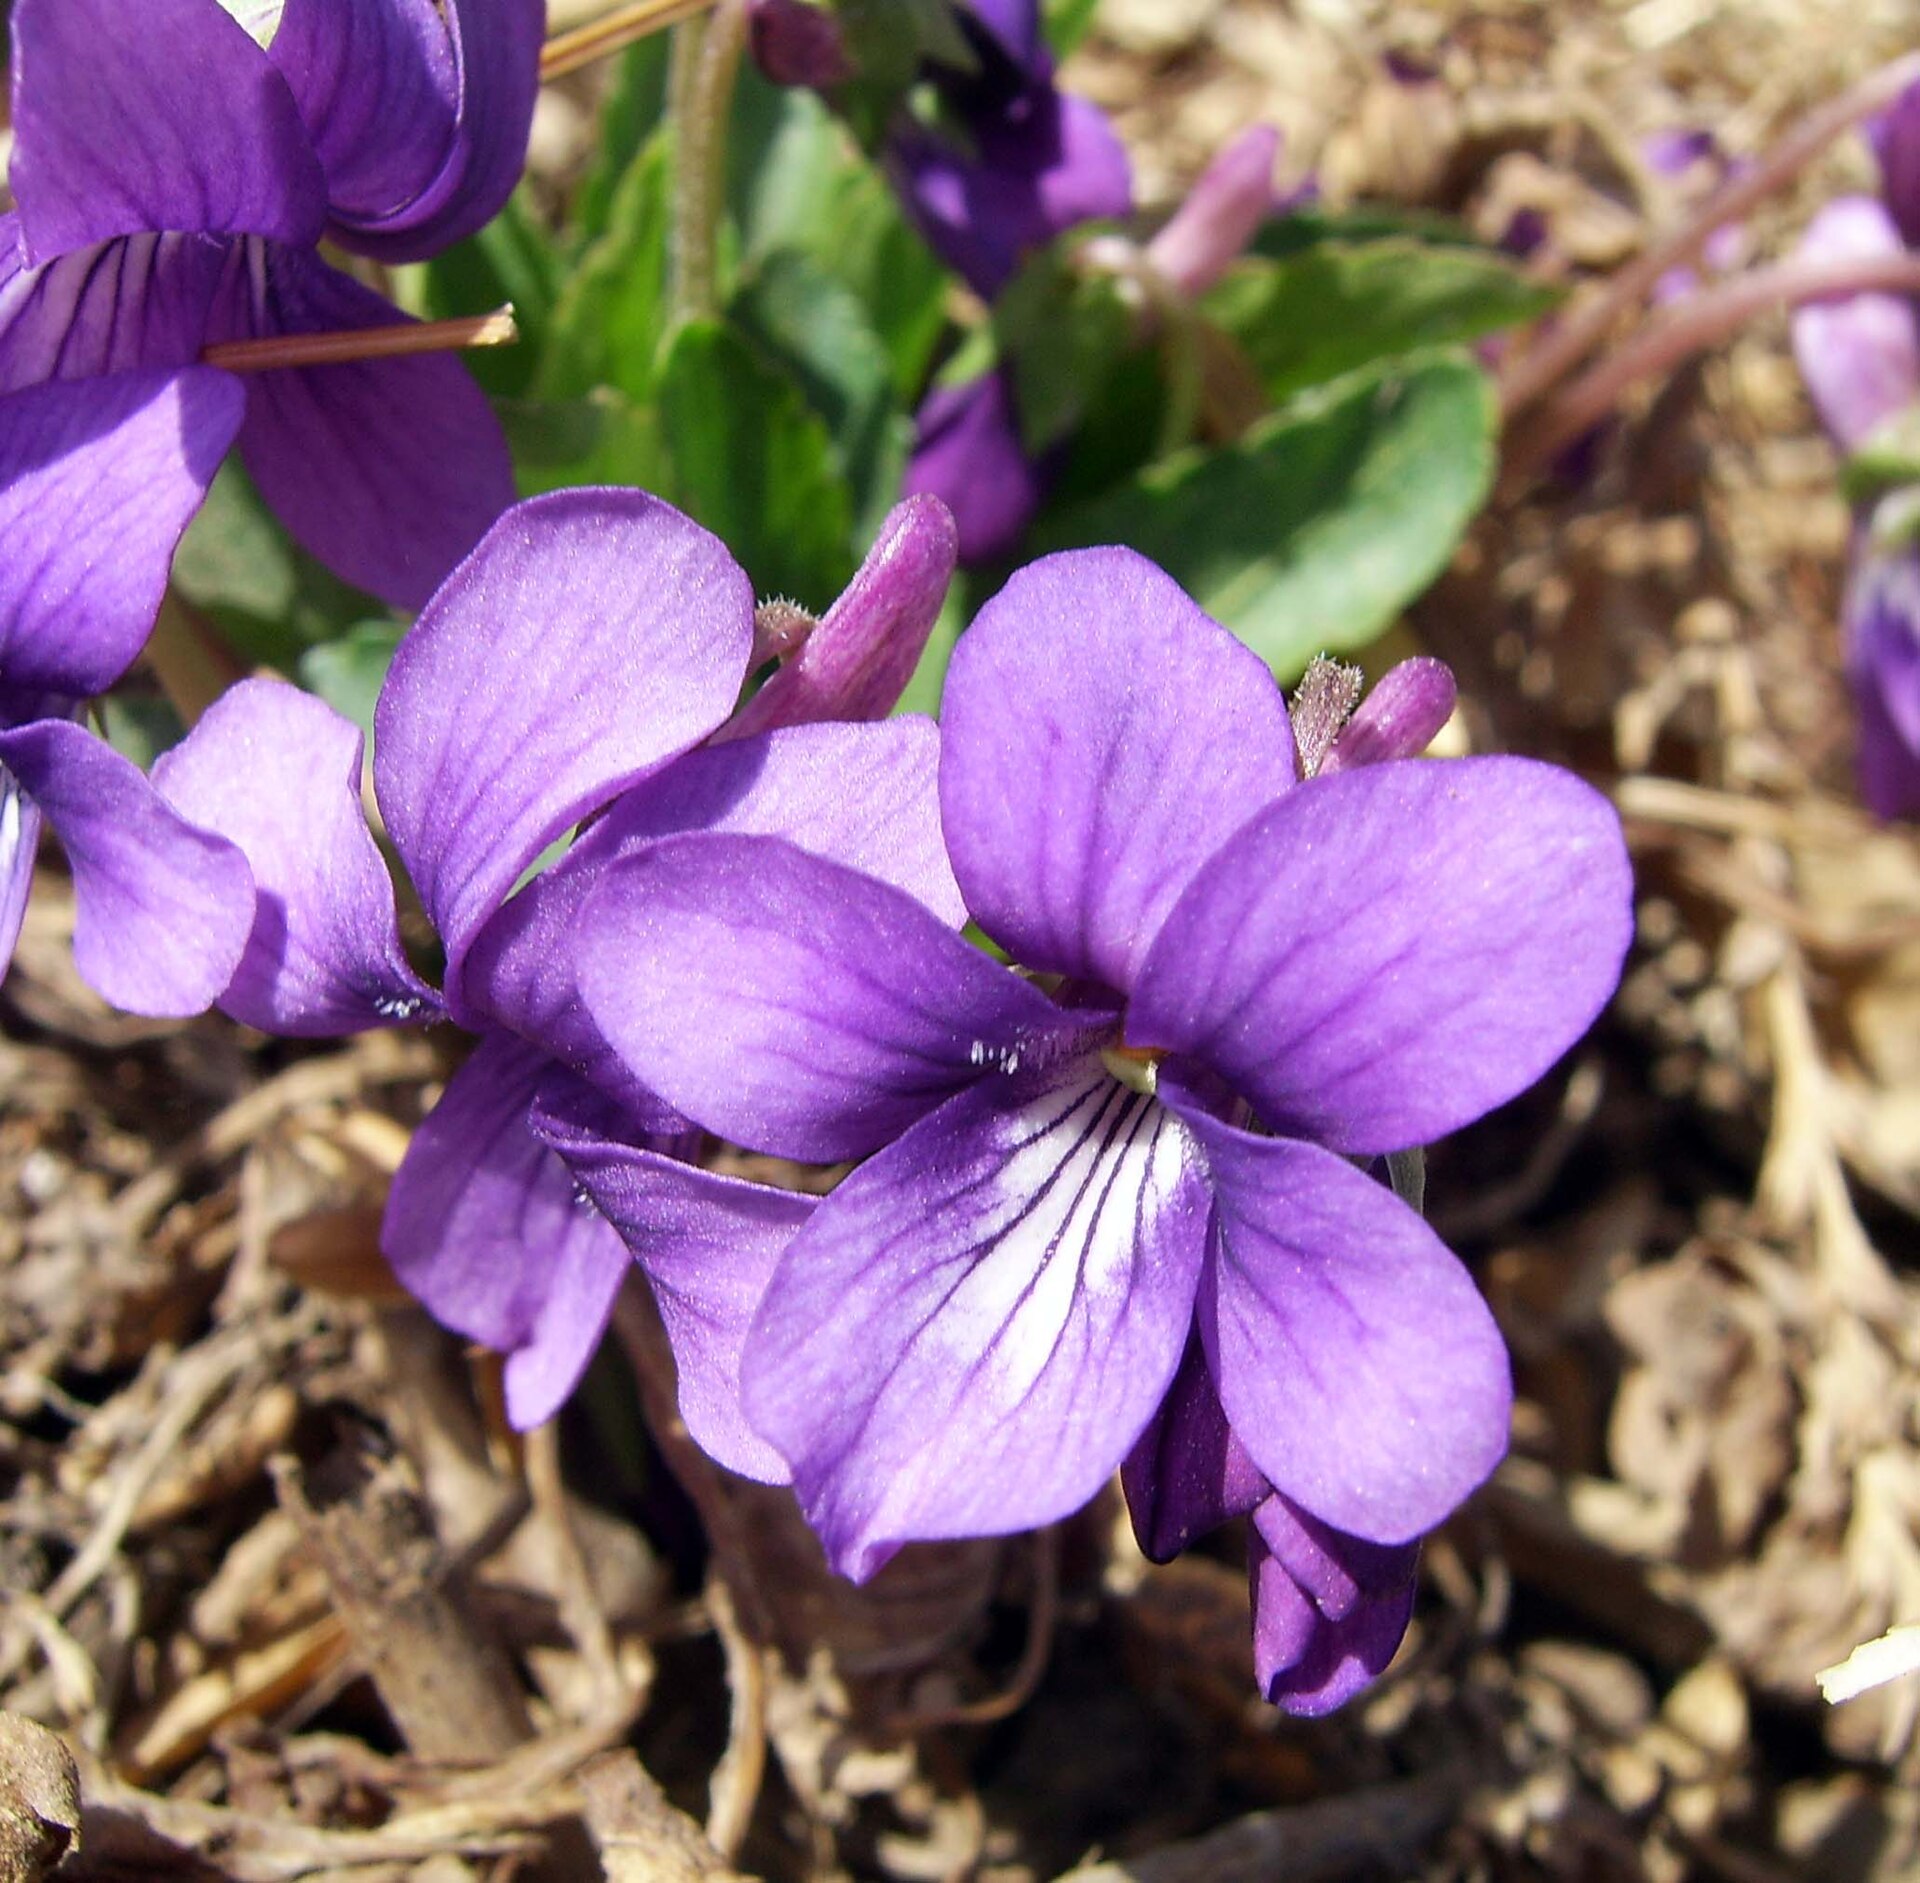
1860, 358
175, 165
567, 677
1107, 1209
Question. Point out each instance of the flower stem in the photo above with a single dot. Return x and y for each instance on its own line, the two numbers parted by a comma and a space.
567, 52
706, 58
1700, 321
1534, 373
497, 329
193, 665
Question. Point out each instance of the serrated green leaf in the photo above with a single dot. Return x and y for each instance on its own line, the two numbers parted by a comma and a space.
1337, 308
752, 461
814, 325
610, 319
1315, 530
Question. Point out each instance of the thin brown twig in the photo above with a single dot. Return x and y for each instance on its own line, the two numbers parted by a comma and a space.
1701, 321
582, 45
495, 329
1532, 374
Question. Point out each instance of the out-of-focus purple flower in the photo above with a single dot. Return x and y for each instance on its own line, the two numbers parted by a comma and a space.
796, 43
1011, 161
173, 177
1881, 620
1249, 980
1895, 136
1220, 215
1860, 354
559, 681
968, 453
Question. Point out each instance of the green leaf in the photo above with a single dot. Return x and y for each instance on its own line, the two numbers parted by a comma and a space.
611, 317
814, 325
750, 460
268, 598
1067, 22
349, 673
511, 259
602, 439
1315, 530
635, 108
1310, 224
1338, 309
1887, 458
1064, 332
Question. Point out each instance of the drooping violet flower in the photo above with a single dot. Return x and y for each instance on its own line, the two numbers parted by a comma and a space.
563, 679
1244, 981
795, 42
968, 449
1860, 354
1881, 629
1009, 161
1895, 137
173, 177
161, 909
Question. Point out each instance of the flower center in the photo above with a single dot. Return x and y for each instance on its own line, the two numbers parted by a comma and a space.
1136, 1067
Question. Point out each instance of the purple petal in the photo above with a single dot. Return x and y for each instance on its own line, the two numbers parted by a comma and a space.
791, 1004
161, 908
388, 470
1400, 717
1354, 1358
1859, 354
1101, 738
1895, 136
1882, 625
862, 796
377, 90
98, 480
1188, 1474
1223, 209
1329, 1610
591, 637
967, 453
972, 1332
174, 120
277, 772
139, 301
858, 659
1015, 27
1037, 164
19, 846
479, 130
1385, 955
484, 1226
707, 1245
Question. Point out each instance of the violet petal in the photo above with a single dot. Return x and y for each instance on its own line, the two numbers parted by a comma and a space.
98, 480
484, 1227
1859, 353
1233, 196
973, 1330
1101, 738
1188, 1474
1311, 1655
791, 1004
592, 636
707, 1245
1882, 627
388, 470
1895, 136
1353, 1355
862, 796
161, 909
19, 847
860, 655
174, 120
1384, 955
277, 772
967, 453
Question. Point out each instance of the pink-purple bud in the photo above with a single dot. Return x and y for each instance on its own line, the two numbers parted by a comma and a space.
1860, 353
1895, 135
1223, 209
1399, 718
857, 662
795, 43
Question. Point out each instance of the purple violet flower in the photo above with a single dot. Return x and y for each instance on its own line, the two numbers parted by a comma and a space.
564, 678
1859, 354
174, 176
1013, 161
1236, 982
1895, 137
1881, 628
